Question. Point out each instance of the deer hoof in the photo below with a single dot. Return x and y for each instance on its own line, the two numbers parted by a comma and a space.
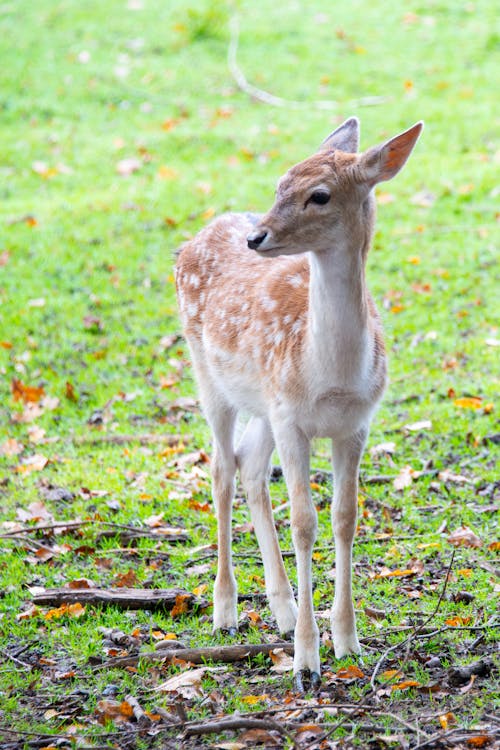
231, 631
304, 679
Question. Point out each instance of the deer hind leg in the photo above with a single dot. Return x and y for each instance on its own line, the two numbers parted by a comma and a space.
293, 448
346, 458
223, 465
253, 454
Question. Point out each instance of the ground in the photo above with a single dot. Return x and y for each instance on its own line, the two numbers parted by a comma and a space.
123, 131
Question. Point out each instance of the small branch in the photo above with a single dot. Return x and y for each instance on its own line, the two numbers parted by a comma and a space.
167, 650
277, 101
415, 631
20, 664
225, 725
105, 438
124, 598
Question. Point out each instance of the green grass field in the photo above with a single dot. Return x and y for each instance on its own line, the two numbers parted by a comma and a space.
122, 132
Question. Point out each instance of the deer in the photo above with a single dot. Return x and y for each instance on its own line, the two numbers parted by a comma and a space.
282, 329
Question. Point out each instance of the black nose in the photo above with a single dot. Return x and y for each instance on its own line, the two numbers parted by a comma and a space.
255, 240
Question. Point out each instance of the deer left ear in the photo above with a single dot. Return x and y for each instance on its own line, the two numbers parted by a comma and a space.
384, 162
345, 138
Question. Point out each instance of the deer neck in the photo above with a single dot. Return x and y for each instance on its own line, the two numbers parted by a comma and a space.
338, 309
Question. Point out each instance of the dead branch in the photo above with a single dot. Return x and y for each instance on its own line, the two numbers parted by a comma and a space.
168, 650
225, 725
105, 438
124, 598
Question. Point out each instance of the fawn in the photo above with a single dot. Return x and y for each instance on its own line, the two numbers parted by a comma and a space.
281, 326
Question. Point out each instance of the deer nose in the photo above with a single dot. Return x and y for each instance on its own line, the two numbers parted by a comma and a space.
255, 239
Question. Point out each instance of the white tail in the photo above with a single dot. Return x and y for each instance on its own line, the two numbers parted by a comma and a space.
280, 324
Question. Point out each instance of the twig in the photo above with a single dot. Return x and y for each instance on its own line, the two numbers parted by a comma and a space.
277, 101
415, 631
105, 438
21, 664
235, 723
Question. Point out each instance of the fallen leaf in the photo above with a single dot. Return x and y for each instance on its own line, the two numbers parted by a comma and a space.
282, 662
181, 605
455, 622
383, 448
11, 447
352, 672
449, 476
398, 573
125, 580
72, 610
187, 683
405, 477
406, 684
117, 711
447, 719
37, 462
251, 700
425, 424
479, 740
26, 393
472, 402
464, 537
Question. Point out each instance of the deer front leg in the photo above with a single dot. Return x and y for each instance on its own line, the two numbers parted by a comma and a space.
225, 616
346, 458
293, 448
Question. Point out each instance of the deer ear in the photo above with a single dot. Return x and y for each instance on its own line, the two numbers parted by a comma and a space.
384, 162
345, 138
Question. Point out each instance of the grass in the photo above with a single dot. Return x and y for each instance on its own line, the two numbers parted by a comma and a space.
87, 297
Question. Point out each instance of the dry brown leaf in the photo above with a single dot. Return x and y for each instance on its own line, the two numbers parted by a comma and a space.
187, 683
464, 537
405, 477
282, 662
36, 462
448, 476
381, 448
11, 447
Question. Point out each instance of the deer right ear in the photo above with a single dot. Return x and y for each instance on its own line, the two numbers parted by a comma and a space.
384, 162
345, 138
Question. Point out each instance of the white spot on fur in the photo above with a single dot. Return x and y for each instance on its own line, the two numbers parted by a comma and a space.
268, 304
194, 280
295, 280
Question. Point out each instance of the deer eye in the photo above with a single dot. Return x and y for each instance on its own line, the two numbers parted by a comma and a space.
320, 197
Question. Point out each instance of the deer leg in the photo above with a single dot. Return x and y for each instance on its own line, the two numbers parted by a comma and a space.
253, 454
346, 458
223, 472
293, 449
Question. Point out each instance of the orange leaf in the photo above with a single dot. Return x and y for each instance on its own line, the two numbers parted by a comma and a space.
406, 684
479, 740
494, 546
352, 672
446, 719
389, 674
406, 573
468, 403
26, 393
199, 590
181, 605
458, 620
